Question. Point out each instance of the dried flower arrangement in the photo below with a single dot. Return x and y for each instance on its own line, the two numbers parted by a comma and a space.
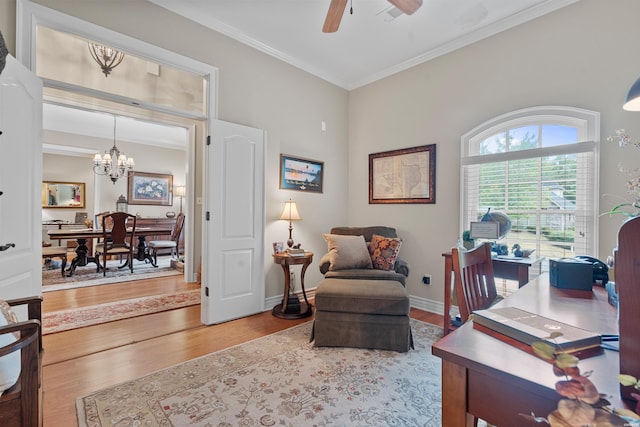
628, 208
582, 405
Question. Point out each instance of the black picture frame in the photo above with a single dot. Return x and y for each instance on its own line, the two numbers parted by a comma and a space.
403, 176
300, 174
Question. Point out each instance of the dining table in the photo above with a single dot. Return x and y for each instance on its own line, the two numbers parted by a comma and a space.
84, 257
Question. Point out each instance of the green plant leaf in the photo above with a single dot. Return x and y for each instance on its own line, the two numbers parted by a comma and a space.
566, 360
625, 379
543, 350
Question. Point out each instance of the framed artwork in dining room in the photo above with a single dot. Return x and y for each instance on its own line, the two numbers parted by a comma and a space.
144, 188
57, 194
297, 173
407, 175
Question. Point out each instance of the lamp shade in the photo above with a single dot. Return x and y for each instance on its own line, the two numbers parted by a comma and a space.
632, 103
179, 190
290, 211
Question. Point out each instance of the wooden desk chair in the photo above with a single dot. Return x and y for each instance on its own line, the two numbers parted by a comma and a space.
118, 229
172, 243
21, 404
475, 285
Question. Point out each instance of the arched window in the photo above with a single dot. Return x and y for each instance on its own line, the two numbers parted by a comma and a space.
540, 167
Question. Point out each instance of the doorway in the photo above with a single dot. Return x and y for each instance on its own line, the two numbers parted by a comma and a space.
72, 137
35, 16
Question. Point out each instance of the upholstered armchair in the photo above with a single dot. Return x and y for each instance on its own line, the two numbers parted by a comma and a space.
362, 301
360, 269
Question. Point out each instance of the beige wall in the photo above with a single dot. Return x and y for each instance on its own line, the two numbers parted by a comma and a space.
584, 55
259, 91
62, 168
8, 24
148, 159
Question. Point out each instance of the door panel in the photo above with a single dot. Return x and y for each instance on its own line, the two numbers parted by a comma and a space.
233, 274
20, 182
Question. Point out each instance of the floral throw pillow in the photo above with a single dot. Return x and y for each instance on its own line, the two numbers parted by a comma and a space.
384, 251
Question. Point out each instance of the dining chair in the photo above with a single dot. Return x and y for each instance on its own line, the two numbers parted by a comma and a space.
475, 284
118, 230
173, 243
98, 219
49, 252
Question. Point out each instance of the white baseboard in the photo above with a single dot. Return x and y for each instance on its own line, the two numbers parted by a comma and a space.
426, 304
416, 302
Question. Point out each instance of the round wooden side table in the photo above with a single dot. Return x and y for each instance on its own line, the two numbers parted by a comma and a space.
286, 310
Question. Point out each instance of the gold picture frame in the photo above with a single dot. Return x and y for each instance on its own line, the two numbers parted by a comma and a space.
59, 194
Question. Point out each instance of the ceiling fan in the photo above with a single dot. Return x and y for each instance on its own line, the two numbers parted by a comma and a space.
337, 7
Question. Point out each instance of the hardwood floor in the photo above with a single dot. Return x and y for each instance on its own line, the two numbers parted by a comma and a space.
80, 361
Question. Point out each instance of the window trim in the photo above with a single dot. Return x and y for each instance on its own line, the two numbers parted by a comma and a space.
587, 122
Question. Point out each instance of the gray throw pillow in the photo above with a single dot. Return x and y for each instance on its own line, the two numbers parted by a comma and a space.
347, 252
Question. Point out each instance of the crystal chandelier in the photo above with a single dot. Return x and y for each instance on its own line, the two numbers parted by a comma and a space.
114, 163
106, 57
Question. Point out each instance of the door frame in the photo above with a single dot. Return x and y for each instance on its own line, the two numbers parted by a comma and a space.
30, 15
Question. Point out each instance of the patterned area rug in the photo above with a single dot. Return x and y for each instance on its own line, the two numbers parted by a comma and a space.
281, 380
52, 280
63, 320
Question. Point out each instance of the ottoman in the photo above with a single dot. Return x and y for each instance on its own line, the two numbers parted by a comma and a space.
362, 314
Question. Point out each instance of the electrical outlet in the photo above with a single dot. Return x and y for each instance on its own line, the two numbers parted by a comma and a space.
426, 279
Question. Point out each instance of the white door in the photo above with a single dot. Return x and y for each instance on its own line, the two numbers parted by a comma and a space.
233, 251
20, 182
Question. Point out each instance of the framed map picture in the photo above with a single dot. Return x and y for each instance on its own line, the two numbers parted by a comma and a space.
403, 176
150, 189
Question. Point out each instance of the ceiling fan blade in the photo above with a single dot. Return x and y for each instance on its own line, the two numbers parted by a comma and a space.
406, 6
334, 15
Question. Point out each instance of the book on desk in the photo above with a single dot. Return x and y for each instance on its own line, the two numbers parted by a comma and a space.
528, 328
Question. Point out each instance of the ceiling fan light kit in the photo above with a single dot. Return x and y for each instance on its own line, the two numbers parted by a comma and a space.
337, 7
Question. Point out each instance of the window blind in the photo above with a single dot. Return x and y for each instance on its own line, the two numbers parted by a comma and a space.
541, 176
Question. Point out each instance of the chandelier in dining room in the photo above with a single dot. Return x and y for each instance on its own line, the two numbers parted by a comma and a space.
114, 163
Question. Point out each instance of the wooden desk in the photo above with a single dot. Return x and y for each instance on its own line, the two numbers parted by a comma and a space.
83, 256
485, 377
283, 310
504, 267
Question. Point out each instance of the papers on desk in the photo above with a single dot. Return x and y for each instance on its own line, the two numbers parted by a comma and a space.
529, 327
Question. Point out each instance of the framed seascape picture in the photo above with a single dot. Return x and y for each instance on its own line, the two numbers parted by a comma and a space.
403, 176
150, 189
301, 174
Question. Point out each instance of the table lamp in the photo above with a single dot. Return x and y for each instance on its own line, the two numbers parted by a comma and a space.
179, 191
290, 213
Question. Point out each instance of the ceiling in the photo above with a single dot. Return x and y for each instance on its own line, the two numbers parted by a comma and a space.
101, 125
370, 44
